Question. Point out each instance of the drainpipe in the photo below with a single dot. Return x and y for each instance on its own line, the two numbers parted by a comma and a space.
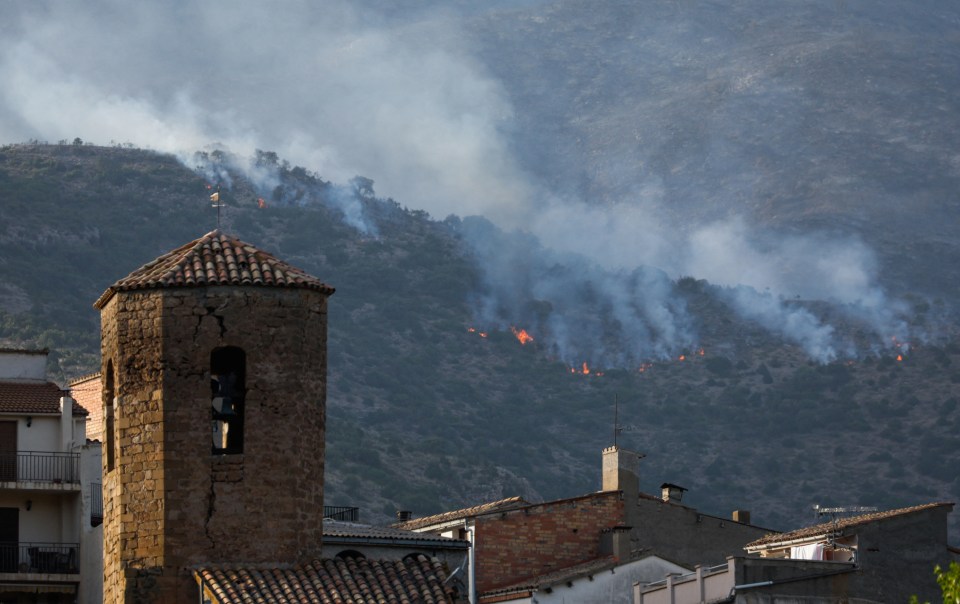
750, 585
472, 571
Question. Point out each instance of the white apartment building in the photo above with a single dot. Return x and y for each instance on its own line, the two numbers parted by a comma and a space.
50, 495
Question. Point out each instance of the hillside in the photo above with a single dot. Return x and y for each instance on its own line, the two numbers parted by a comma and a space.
822, 115
425, 414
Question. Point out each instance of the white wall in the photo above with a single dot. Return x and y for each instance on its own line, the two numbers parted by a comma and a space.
91, 537
43, 434
23, 366
43, 523
613, 586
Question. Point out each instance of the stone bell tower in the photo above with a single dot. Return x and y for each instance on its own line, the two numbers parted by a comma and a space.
214, 381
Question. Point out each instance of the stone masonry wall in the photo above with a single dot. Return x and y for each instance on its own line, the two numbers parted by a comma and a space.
180, 505
132, 510
534, 540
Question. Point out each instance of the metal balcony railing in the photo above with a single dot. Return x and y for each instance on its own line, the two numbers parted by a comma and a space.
40, 466
22, 557
96, 504
345, 514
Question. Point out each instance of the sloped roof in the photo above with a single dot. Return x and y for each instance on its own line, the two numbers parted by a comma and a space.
33, 397
83, 379
339, 529
561, 575
485, 508
415, 579
215, 259
831, 527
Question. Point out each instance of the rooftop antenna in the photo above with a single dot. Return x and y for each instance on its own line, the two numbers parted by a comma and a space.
616, 419
216, 203
836, 512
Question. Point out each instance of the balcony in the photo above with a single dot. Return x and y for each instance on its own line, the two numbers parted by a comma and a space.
39, 558
96, 504
38, 470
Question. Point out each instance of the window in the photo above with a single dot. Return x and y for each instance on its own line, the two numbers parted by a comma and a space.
109, 408
227, 389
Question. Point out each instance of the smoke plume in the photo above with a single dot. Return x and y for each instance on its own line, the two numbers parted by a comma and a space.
410, 99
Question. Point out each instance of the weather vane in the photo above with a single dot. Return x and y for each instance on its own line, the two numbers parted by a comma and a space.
216, 203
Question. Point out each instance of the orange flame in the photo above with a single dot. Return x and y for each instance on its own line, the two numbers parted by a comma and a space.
682, 357
483, 334
701, 352
585, 370
644, 367
522, 335
899, 357
472, 329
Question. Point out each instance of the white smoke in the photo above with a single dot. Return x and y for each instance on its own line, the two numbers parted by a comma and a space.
325, 85
345, 90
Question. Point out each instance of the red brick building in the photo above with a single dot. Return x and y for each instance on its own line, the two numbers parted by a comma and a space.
514, 540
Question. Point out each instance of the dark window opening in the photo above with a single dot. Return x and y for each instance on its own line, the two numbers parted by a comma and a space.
96, 504
227, 390
109, 409
348, 554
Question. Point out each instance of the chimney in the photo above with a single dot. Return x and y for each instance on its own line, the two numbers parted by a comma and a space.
615, 541
621, 472
671, 493
741, 516
66, 423
404, 515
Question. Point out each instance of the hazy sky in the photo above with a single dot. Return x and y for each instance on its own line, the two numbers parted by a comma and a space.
402, 98
337, 90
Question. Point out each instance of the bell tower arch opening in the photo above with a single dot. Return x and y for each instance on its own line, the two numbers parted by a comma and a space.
227, 392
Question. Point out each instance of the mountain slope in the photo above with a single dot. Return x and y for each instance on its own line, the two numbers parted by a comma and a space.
818, 116
427, 415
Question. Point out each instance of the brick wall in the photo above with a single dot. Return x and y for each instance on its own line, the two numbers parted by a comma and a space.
170, 503
87, 392
534, 540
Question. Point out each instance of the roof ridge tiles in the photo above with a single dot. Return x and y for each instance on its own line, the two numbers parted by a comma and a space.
214, 259
842, 523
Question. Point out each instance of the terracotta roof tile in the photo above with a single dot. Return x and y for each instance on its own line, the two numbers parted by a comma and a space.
485, 508
353, 530
831, 527
358, 580
33, 397
215, 259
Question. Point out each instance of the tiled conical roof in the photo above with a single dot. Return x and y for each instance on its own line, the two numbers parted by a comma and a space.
215, 259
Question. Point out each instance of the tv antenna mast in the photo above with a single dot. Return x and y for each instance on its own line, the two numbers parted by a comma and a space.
617, 429
836, 512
